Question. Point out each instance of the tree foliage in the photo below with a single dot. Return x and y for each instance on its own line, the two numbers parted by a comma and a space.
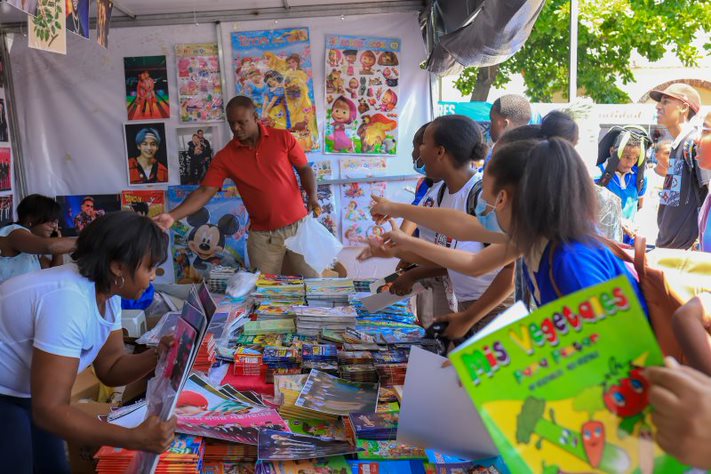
609, 31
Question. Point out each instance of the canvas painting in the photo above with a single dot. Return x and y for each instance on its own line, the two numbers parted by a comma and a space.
273, 68
78, 17
199, 83
146, 156
195, 152
47, 29
104, 9
80, 210
147, 95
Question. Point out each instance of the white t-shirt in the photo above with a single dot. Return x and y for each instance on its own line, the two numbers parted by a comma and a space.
466, 288
20, 263
55, 311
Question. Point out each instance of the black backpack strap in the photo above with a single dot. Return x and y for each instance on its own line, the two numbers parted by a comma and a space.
609, 172
440, 194
640, 176
473, 197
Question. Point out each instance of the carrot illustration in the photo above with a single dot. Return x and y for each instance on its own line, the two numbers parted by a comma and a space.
593, 441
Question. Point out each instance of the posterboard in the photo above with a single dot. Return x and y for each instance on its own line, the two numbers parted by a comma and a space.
199, 83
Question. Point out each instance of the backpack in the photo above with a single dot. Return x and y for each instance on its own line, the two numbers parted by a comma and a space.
472, 197
608, 141
662, 300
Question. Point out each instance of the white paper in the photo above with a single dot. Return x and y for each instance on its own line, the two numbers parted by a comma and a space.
378, 301
510, 316
437, 413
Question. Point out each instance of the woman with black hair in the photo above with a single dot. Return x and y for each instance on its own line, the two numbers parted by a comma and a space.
36, 233
54, 324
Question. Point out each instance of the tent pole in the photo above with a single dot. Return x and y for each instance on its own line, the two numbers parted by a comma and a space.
573, 69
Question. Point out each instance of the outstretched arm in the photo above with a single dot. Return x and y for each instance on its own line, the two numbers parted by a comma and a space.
193, 203
23, 241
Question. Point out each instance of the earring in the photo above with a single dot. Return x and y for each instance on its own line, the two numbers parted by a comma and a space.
123, 281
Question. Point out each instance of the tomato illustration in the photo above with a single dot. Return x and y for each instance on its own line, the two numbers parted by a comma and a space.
629, 396
593, 433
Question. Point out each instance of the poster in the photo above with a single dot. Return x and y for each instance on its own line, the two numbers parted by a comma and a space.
563, 387
80, 210
5, 169
47, 29
323, 170
362, 76
195, 152
363, 167
147, 95
27, 6
144, 201
273, 68
4, 136
6, 210
104, 9
78, 17
215, 235
199, 83
146, 156
356, 222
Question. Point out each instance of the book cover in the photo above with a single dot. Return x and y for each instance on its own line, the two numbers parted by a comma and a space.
284, 446
562, 389
328, 394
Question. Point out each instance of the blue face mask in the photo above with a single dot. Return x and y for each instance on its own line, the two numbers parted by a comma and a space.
419, 169
489, 221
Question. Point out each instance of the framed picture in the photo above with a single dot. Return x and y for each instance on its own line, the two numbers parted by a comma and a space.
146, 156
195, 152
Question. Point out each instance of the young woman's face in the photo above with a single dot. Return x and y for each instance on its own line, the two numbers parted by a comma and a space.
630, 157
148, 147
340, 112
500, 201
430, 154
134, 285
45, 229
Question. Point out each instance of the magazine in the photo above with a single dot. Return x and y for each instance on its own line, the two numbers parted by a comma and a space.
328, 394
562, 389
284, 446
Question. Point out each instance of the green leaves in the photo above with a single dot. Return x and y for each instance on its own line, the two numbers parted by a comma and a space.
609, 33
46, 23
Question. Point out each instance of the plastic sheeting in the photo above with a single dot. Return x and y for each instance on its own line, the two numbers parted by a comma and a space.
71, 108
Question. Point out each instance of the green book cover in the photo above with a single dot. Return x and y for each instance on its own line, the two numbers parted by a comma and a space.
280, 326
562, 389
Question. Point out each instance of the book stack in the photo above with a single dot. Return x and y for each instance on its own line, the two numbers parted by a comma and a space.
206, 354
328, 335
353, 336
280, 288
323, 357
183, 456
274, 310
333, 291
290, 410
390, 375
272, 326
247, 362
281, 361
311, 320
217, 451
219, 278
378, 426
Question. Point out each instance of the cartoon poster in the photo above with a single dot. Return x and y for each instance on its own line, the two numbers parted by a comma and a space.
273, 68
562, 389
323, 169
6, 210
195, 152
80, 210
5, 169
147, 202
104, 9
47, 29
356, 223
27, 6
147, 95
199, 83
78, 17
329, 207
363, 167
362, 76
146, 157
215, 235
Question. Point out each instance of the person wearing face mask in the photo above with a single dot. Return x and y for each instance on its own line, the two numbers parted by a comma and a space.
540, 195
22, 245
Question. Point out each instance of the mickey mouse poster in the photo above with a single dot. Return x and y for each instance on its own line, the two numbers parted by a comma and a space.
214, 235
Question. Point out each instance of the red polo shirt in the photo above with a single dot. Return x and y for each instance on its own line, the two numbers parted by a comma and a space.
264, 176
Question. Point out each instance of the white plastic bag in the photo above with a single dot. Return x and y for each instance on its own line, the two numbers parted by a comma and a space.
318, 246
241, 284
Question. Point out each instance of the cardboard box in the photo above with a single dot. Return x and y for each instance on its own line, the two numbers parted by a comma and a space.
86, 386
81, 457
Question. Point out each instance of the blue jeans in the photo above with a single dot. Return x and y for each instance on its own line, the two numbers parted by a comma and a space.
24, 447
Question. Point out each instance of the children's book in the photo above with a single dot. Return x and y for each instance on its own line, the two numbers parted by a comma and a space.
284, 446
328, 394
563, 390
372, 449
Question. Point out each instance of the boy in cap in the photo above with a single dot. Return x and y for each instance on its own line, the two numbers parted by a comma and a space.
685, 186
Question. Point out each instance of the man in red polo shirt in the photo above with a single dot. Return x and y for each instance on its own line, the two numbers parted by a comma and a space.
261, 161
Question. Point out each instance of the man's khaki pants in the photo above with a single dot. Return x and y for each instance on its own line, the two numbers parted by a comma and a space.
268, 254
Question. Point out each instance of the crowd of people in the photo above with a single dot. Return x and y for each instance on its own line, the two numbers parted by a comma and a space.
520, 221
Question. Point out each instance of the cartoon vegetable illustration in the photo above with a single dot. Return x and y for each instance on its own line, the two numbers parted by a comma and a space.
531, 421
626, 394
593, 441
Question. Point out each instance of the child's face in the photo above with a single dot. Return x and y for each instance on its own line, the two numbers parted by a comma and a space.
629, 158
367, 60
351, 58
292, 63
340, 112
353, 83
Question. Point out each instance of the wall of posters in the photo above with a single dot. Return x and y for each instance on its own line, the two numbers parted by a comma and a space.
146, 157
195, 152
78, 17
273, 68
356, 222
199, 84
47, 29
215, 235
80, 210
147, 95
362, 77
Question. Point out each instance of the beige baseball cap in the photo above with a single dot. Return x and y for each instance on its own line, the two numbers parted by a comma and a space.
680, 91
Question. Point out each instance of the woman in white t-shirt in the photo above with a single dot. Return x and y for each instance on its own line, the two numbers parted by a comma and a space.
24, 244
54, 324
